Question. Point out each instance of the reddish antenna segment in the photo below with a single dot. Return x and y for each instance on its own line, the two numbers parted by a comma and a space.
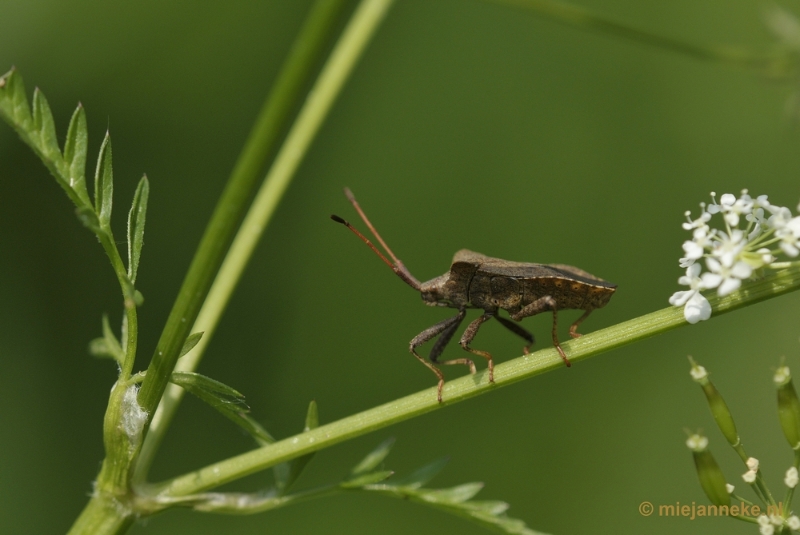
397, 266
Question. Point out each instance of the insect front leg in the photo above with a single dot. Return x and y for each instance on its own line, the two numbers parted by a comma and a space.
543, 304
469, 335
519, 331
446, 328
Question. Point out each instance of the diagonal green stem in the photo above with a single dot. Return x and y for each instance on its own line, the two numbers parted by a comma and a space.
584, 19
274, 116
337, 69
466, 387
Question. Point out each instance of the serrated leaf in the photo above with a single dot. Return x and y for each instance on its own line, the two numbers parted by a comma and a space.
312, 416
108, 346
104, 183
136, 219
75, 148
190, 342
373, 458
458, 494
370, 478
226, 400
422, 475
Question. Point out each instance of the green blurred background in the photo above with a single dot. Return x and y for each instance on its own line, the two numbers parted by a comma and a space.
466, 124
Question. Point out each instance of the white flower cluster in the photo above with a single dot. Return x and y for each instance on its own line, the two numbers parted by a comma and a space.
769, 525
734, 254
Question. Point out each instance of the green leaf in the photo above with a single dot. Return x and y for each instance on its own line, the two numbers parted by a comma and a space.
104, 183
373, 458
458, 494
190, 342
44, 126
108, 346
136, 219
13, 101
370, 478
227, 401
287, 473
422, 475
88, 217
312, 416
75, 149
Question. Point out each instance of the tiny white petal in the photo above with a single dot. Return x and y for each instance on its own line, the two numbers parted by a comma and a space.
728, 286
697, 442
763, 520
680, 298
793, 522
791, 478
711, 280
741, 270
729, 488
727, 199
782, 375
794, 226
752, 463
789, 249
698, 372
697, 309
693, 250
749, 476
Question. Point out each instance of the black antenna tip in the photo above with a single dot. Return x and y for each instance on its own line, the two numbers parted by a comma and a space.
339, 220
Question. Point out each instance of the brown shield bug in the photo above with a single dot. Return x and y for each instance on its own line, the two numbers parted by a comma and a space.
478, 281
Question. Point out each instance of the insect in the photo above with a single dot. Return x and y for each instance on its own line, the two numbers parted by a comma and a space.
491, 284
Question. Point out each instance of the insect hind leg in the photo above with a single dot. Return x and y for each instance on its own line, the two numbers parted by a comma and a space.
543, 304
519, 331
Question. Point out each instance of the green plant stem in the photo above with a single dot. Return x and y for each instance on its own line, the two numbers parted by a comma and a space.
340, 64
584, 19
272, 120
466, 387
102, 515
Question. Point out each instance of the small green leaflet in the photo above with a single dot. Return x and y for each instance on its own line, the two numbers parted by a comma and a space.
136, 219
229, 402
108, 346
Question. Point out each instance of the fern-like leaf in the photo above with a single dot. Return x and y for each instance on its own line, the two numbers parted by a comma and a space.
37, 129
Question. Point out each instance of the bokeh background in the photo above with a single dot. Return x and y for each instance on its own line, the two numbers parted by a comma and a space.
466, 124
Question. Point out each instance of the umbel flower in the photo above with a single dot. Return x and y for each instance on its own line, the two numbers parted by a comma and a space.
755, 233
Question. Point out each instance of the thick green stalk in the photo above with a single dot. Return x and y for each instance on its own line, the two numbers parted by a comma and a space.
337, 69
272, 120
466, 387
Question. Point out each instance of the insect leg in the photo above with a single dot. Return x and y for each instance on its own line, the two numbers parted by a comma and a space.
573, 329
544, 304
519, 331
469, 335
446, 329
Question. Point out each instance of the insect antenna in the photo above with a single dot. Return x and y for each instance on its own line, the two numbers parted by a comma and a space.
397, 266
